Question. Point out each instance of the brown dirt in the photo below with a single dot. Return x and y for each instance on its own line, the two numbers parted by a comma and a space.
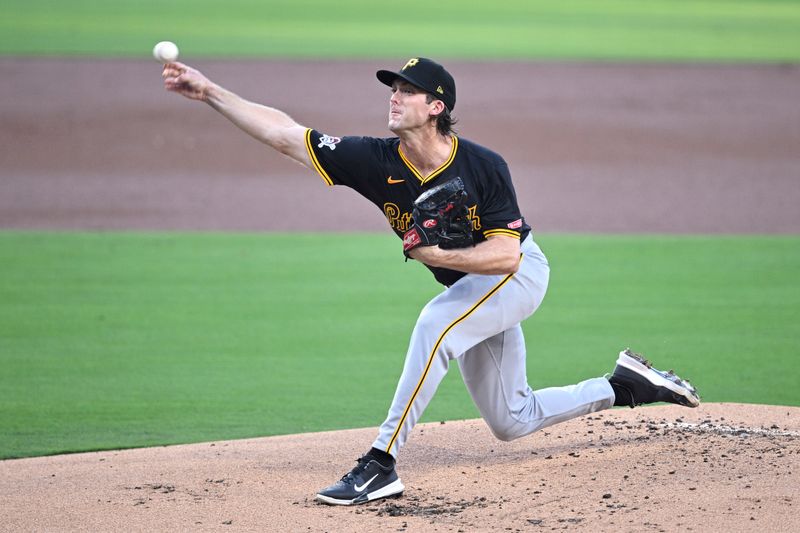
721, 467
594, 148
597, 148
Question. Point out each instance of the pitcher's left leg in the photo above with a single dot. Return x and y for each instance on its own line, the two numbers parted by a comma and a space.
495, 375
475, 308
456, 319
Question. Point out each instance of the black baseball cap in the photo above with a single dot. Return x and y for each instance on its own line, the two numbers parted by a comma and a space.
427, 75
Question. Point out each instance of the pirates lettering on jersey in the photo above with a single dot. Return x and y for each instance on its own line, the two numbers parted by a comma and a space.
402, 221
398, 220
377, 169
476, 220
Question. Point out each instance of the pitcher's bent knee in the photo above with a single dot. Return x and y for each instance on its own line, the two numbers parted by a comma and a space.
511, 432
512, 429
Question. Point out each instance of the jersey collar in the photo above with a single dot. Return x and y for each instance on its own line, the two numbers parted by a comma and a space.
425, 179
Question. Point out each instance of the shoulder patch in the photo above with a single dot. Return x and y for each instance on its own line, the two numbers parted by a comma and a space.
516, 224
330, 142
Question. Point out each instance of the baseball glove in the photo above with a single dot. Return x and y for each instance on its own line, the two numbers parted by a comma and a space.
440, 218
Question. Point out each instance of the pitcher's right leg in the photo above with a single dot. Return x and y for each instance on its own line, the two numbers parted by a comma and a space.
495, 375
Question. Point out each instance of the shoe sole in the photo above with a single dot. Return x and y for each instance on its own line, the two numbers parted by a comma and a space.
395, 488
680, 387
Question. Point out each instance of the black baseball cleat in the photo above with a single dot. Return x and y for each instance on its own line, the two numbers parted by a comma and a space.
636, 382
368, 481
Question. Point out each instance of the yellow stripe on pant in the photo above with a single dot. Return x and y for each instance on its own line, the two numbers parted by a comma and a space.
433, 354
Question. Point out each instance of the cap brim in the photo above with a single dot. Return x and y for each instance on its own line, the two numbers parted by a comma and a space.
387, 77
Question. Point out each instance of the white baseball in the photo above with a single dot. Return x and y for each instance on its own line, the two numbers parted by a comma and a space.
165, 51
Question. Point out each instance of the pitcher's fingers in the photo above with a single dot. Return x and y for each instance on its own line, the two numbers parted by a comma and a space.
173, 69
168, 71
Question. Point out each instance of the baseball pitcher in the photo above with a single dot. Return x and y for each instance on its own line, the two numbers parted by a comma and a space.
453, 205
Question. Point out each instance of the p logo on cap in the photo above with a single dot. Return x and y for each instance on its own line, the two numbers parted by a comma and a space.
411, 62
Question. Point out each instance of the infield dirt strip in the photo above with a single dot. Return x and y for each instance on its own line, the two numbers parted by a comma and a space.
597, 148
592, 148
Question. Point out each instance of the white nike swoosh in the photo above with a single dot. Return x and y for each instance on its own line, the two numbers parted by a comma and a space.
365, 485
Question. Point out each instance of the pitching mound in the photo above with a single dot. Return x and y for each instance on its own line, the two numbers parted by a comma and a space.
722, 467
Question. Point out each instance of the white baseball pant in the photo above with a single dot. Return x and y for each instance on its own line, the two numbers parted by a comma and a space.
477, 322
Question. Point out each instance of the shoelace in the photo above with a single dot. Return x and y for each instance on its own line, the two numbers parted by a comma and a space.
360, 467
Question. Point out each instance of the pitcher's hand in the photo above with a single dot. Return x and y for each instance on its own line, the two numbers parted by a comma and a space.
185, 80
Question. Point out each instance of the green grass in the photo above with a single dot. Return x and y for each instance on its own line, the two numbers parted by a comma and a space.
122, 339
709, 30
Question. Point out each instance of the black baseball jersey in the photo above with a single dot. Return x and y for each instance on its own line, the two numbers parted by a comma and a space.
378, 170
